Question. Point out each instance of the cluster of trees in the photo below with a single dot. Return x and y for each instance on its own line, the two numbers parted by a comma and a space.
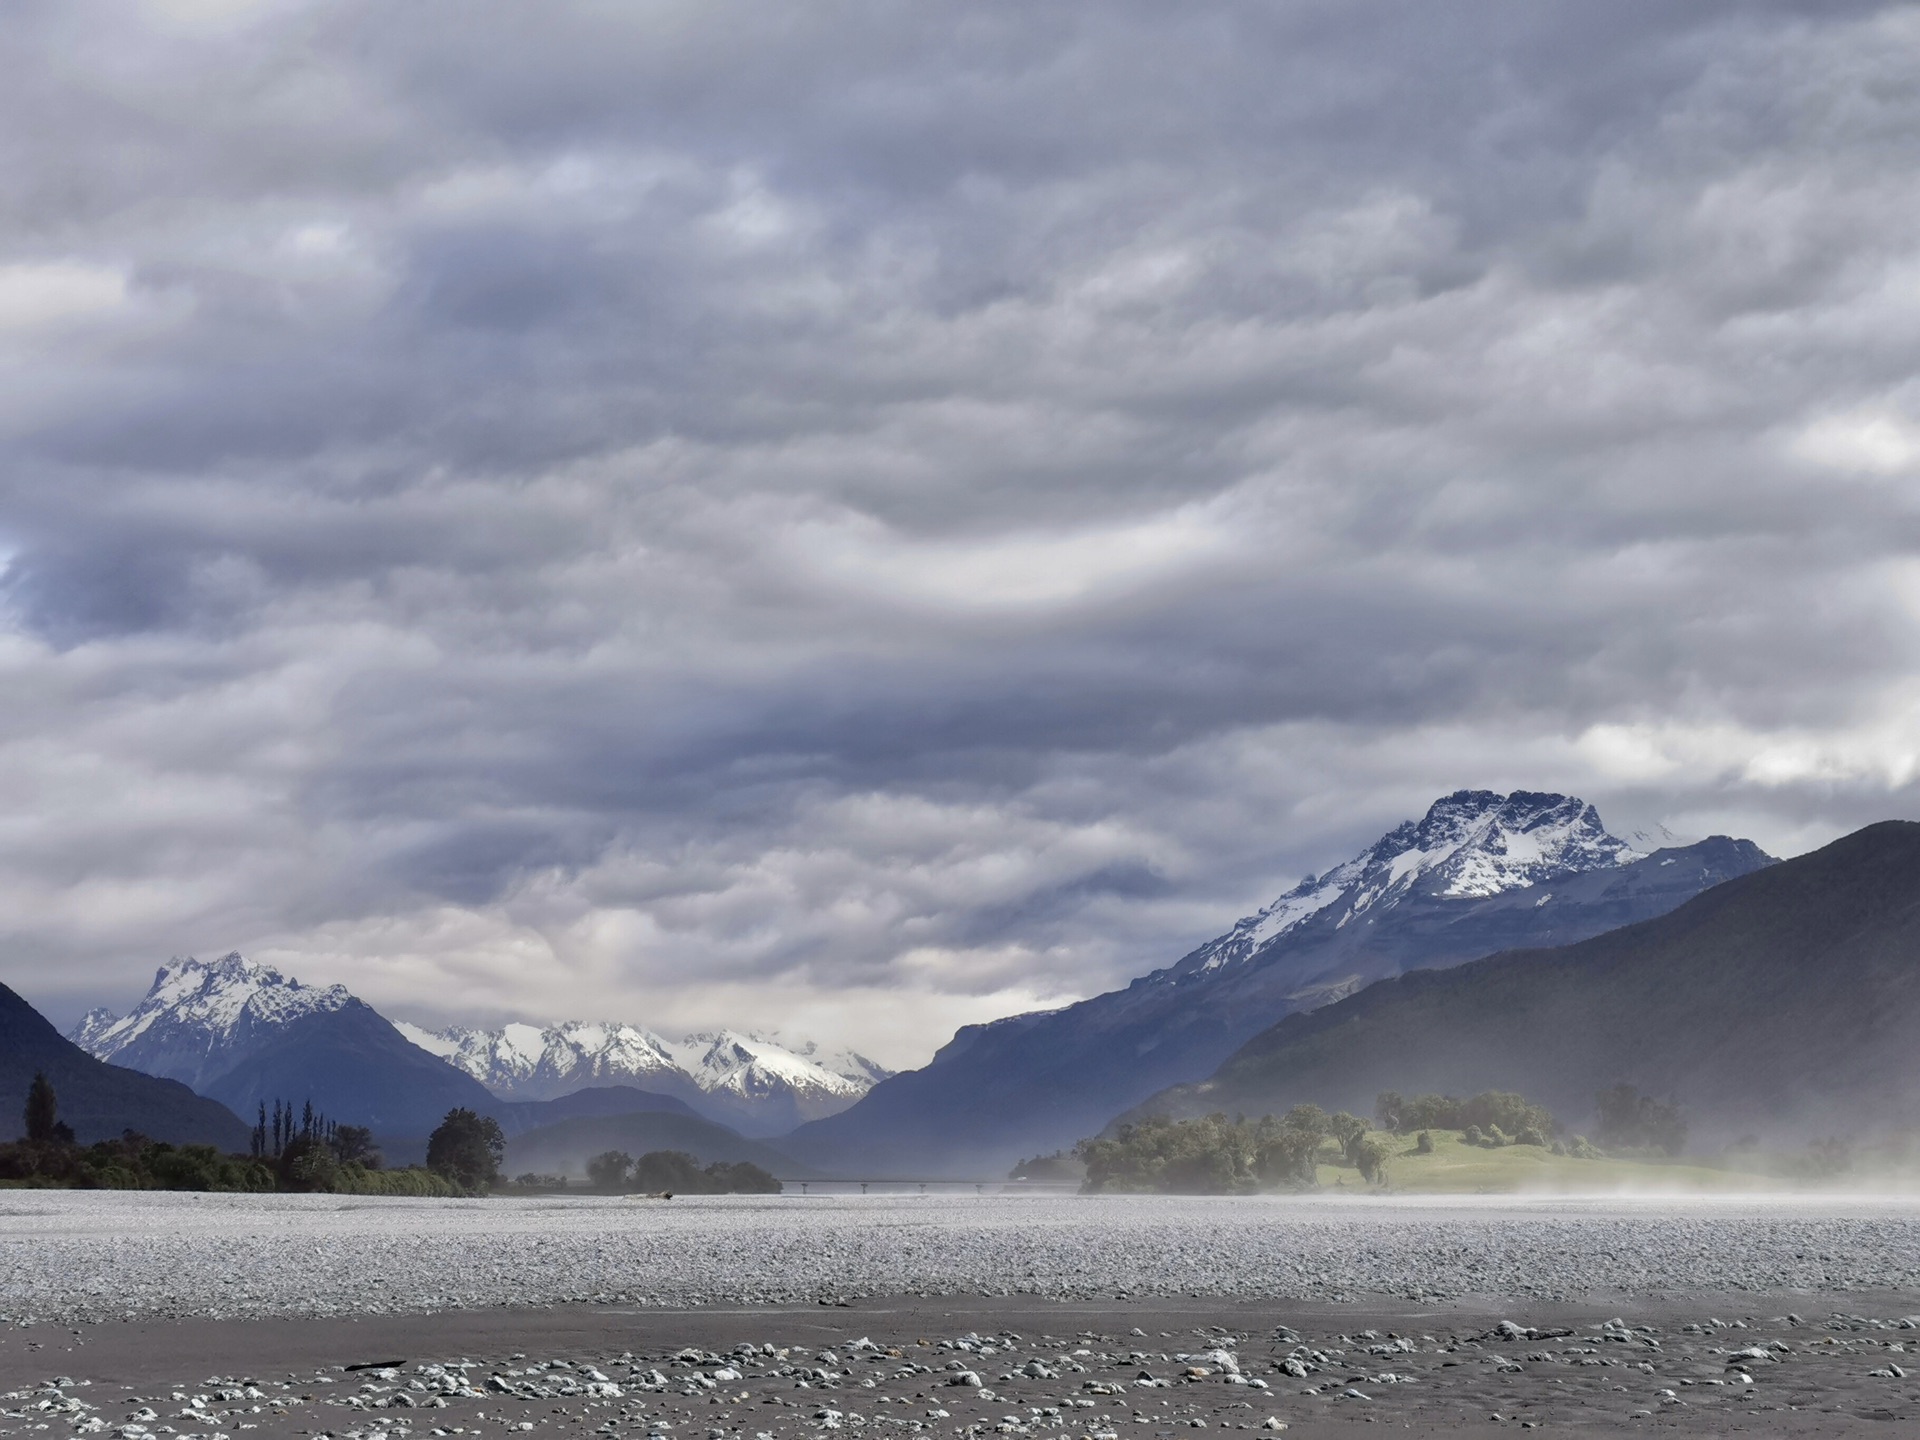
302, 1150
350, 1144
1217, 1156
1632, 1121
132, 1162
1059, 1168
674, 1172
1499, 1116
466, 1149
44, 1125
1628, 1120
311, 1152
289, 1152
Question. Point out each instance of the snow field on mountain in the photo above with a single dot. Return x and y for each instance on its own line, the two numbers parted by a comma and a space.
521, 1061
81, 1255
201, 1018
209, 999
1469, 845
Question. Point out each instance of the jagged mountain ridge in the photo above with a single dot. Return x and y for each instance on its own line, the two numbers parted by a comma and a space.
202, 1018
1473, 844
756, 1083
1479, 873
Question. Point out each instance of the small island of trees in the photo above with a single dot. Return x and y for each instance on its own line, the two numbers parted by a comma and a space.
1215, 1155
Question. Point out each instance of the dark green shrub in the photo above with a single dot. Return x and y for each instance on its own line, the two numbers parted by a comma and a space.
1209, 1155
358, 1179
353, 1145
1423, 1145
43, 1113
1370, 1155
1059, 1168
742, 1177
1347, 1130
1632, 1121
467, 1149
1512, 1113
307, 1164
660, 1172
609, 1170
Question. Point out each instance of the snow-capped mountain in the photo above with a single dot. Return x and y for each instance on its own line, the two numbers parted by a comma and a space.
1471, 845
527, 1062
757, 1083
754, 1066
204, 1022
201, 1018
1478, 873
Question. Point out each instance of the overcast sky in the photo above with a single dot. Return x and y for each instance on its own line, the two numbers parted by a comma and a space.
863, 518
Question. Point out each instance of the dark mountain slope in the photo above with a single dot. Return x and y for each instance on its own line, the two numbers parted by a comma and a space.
355, 1068
1478, 874
564, 1148
99, 1100
1783, 1002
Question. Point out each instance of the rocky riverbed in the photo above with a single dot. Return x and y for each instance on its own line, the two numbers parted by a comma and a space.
76, 1256
171, 1317
1018, 1367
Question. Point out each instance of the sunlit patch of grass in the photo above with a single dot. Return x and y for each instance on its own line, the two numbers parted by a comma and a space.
1455, 1167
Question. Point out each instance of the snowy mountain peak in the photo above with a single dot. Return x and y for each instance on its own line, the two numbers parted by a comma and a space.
1469, 845
1477, 843
531, 1062
754, 1081
200, 1017
754, 1065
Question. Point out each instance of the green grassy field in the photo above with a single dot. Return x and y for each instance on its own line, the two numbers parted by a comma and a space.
1455, 1167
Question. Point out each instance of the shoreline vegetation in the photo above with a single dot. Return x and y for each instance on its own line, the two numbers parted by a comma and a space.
1493, 1143
306, 1153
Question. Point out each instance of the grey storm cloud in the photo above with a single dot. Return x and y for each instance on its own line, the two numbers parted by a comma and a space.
872, 516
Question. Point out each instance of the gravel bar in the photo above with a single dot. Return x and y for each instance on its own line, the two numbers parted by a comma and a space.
74, 1256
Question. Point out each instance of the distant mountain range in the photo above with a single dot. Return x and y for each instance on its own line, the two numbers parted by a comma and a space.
99, 1100
1785, 1003
752, 1082
243, 1033
1479, 873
